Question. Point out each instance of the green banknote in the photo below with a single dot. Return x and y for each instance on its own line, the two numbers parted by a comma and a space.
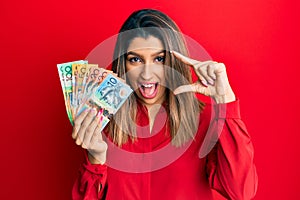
87, 86
66, 79
79, 72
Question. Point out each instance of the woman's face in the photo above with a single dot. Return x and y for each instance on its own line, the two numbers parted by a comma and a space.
145, 69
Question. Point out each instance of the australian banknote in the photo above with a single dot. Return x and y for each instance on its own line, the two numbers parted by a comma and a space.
88, 86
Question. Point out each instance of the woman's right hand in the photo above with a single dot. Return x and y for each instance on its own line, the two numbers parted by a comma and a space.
87, 134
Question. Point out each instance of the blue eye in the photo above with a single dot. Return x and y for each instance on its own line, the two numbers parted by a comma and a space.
160, 59
134, 59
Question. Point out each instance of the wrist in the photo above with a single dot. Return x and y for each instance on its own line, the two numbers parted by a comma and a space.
97, 159
227, 98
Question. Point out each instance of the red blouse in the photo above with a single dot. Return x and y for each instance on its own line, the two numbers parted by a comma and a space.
220, 157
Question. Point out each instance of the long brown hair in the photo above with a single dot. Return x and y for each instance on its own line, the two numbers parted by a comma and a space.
182, 109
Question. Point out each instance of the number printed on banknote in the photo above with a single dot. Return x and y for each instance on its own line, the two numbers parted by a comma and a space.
88, 86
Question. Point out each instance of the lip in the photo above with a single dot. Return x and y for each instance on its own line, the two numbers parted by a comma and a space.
143, 85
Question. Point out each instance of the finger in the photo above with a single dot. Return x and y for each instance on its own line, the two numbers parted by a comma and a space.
196, 87
97, 135
220, 87
202, 80
198, 67
78, 121
185, 59
84, 125
220, 69
90, 130
211, 71
206, 78
206, 70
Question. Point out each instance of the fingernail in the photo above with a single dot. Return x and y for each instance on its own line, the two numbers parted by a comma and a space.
211, 82
204, 83
93, 111
100, 120
77, 141
99, 113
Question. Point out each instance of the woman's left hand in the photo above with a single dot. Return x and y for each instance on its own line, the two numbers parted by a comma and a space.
213, 80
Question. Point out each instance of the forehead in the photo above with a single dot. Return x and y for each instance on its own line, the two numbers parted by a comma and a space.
151, 43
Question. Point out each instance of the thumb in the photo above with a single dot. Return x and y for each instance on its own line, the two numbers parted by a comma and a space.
196, 87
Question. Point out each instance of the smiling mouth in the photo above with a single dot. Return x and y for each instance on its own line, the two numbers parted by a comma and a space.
148, 90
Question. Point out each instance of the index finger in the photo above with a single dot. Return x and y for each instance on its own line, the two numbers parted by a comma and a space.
78, 121
185, 59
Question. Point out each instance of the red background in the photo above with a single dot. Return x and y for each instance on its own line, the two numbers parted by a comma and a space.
257, 40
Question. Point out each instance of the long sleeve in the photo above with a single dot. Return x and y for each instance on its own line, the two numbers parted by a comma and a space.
230, 166
91, 181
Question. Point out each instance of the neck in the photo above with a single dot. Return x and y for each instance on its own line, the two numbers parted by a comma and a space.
152, 112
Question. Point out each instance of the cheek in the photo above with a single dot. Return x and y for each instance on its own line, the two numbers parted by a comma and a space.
129, 70
127, 66
132, 76
161, 74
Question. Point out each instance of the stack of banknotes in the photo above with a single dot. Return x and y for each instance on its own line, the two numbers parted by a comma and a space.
89, 86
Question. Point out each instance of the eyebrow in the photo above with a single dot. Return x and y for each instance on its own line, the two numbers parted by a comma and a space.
136, 54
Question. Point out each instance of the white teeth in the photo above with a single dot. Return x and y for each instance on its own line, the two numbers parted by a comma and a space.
147, 85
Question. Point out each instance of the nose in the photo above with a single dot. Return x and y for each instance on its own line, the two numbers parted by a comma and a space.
147, 73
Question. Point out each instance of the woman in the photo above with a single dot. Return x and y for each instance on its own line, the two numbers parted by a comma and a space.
163, 117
